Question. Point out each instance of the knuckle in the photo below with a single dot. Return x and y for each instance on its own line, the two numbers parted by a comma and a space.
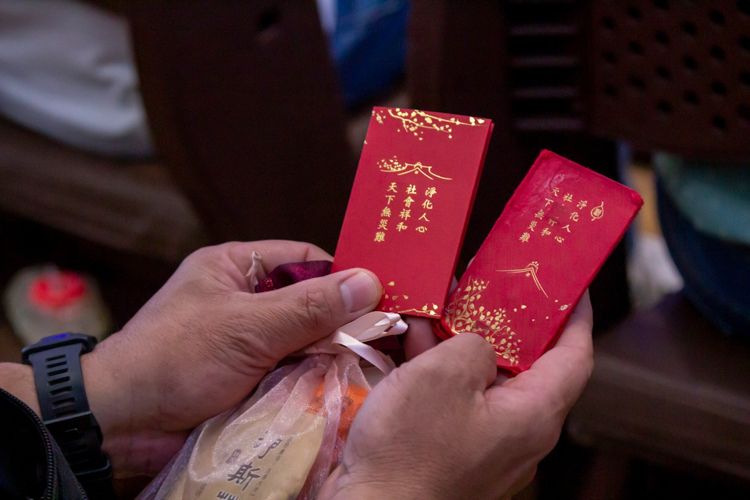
255, 339
466, 357
548, 429
549, 437
479, 348
433, 368
588, 366
435, 365
199, 256
475, 342
318, 308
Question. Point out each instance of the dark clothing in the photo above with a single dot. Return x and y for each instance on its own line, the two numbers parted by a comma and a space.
31, 463
716, 271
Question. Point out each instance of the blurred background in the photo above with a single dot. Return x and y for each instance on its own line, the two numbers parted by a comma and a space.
133, 132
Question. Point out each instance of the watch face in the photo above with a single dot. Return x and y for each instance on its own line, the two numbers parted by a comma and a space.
54, 338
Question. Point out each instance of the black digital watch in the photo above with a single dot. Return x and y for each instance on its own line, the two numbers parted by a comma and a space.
56, 361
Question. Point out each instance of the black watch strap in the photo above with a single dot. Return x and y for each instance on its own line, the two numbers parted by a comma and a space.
65, 409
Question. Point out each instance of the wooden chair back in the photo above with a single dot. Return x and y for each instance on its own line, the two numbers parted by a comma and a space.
244, 109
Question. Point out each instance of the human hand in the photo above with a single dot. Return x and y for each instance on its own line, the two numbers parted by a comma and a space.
443, 426
420, 336
203, 342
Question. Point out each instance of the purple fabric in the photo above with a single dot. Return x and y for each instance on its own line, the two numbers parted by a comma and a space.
294, 272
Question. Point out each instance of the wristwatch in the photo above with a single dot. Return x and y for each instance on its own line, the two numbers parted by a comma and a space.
56, 361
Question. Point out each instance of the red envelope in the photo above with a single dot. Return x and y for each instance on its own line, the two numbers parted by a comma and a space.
557, 230
410, 204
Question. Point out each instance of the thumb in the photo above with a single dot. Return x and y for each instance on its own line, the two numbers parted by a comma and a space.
464, 362
300, 314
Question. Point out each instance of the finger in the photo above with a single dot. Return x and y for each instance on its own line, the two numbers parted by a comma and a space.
273, 253
294, 316
500, 379
525, 477
419, 337
560, 375
454, 285
465, 360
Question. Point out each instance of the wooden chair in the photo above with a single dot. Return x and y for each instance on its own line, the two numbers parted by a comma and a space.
245, 111
668, 386
522, 64
574, 77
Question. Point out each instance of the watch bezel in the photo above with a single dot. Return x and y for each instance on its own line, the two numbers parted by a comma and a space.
59, 340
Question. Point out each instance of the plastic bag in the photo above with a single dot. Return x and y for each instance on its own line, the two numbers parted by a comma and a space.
282, 443
286, 438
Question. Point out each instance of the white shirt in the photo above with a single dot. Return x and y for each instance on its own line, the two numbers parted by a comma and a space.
67, 70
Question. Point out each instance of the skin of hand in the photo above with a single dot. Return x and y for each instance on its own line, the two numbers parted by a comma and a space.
443, 426
201, 344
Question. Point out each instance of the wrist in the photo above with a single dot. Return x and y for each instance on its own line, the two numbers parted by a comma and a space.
344, 486
120, 394
110, 401
18, 380
107, 399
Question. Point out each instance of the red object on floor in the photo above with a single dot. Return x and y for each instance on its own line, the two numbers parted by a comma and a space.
56, 289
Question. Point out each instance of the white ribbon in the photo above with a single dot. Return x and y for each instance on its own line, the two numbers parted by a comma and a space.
252, 274
352, 337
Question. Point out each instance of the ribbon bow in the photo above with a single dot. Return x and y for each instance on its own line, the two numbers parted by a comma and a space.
350, 337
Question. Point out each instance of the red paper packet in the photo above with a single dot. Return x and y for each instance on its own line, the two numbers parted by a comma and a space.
410, 204
557, 230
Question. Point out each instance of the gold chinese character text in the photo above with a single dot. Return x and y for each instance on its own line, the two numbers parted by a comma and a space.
568, 197
401, 226
548, 202
546, 232
559, 239
408, 201
555, 191
525, 237
539, 215
532, 225
551, 222
392, 187
430, 192
405, 214
412, 189
421, 229
427, 205
574, 216
383, 224
386, 212
567, 228
424, 217
380, 236
390, 198
582, 204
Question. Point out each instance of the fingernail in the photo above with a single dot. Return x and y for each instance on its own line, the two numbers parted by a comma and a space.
360, 291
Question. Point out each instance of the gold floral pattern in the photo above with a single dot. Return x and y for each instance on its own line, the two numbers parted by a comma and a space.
466, 315
426, 309
415, 121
